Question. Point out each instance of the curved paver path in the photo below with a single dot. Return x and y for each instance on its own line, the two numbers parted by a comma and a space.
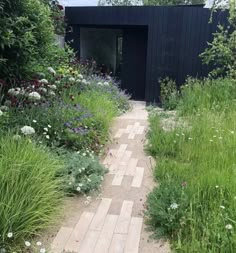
114, 224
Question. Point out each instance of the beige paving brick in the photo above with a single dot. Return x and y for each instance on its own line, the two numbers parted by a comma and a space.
133, 238
111, 154
89, 242
128, 129
138, 177
117, 180
79, 232
118, 243
99, 217
118, 157
119, 133
124, 217
105, 238
60, 240
134, 131
131, 167
140, 130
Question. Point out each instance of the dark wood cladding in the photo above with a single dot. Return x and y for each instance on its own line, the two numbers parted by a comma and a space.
176, 36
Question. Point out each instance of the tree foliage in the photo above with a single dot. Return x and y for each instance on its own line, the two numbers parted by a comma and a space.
221, 53
172, 2
26, 32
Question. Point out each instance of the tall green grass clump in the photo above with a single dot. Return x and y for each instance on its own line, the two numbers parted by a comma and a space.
29, 190
195, 204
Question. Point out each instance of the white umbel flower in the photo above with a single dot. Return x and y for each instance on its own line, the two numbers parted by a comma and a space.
99, 83
53, 87
84, 81
174, 206
52, 93
27, 130
51, 71
229, 226
34, 96
42, 250
44, 81
106, 83
44, 90
38, 243
1, 113
71, 79
80, 76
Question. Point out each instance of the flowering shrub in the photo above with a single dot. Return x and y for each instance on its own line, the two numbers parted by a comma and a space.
82, 172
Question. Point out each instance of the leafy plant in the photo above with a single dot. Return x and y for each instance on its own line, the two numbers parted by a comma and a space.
169, 93
30, 193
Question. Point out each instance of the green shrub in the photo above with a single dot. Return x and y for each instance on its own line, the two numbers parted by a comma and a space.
25, 36
169, 94
82, 172
29, 191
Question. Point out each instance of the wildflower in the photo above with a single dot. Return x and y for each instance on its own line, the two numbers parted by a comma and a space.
44, 90
174, 206
102, 178
222, 207
43, 81
51, 71
214, 136
220, 138
177, 134
89, 198
49, 126
35, 121
10, 235
53, 87
14, 91
190, 138
16, 137
80, 185
27, 130
4, 108
42, 250
80, 76
84, 81
51, 93
38, 243
34, 96
86, 202
1, 113
84, 154
229, 226
106, 83
232, 132
71, 79
47, 137
78, 189
89, 180
217, 186
211, 140
99, 83
46, 129
27, 244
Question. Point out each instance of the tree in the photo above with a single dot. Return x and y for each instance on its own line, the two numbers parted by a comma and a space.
172, 2
119, 2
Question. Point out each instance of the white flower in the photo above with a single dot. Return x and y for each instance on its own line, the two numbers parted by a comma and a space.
44, 90
53, 87
35, 121
16, 137
51, 70
1, 113
80, 76
42, 250
105, 83
78, 189
99, 83
80, 185
27, 130
49, 126
34, 96
220, 138
71, 79
46, 129
102, 178
89, 180
4, 108
232, 132
27, 244
44, 81
84, 154
222, 207
174, 206
217, 186
10, 235
84, 81
38, 243
229, 226
47, 137
14, 91
86, 202
52, 93
211, 140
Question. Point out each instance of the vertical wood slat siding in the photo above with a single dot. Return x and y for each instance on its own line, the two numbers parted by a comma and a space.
176, 37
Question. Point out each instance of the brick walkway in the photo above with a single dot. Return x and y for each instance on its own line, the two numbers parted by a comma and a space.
115, 224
